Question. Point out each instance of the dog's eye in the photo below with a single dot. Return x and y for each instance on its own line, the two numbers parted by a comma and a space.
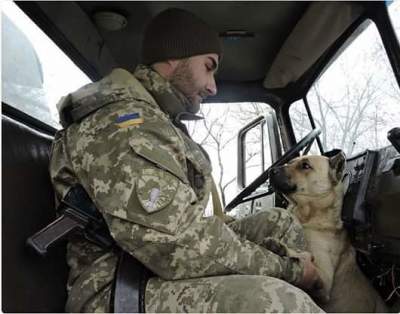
305, 166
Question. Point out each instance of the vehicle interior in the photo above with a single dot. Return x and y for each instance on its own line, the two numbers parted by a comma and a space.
273, 53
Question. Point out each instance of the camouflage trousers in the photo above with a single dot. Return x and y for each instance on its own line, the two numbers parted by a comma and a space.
239, 293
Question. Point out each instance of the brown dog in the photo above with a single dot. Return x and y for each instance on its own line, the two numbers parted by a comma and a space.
313, 186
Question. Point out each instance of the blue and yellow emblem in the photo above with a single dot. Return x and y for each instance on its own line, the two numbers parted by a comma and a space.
129, 120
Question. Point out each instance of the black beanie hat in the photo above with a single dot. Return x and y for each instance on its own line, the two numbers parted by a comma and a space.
178, 34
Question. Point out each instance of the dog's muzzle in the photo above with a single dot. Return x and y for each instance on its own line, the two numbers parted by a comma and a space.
280, 181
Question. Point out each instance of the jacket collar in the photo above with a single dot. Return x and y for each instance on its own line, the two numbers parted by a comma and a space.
169, 99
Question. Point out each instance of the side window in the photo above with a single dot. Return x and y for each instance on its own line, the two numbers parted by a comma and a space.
218, 132
35, 72
355, 102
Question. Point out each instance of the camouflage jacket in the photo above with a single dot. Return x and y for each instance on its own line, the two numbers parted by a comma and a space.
133, 162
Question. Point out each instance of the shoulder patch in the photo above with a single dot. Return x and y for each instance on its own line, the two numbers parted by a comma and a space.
129, 119
156, 188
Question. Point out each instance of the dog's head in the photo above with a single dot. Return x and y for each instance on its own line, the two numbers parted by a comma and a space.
310, 180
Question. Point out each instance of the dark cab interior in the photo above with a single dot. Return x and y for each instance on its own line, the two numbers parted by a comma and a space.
256, 67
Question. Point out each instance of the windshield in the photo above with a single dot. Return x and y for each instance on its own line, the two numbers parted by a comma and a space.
357, 100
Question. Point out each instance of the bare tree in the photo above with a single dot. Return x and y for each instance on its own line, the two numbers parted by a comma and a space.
218, 140
217, 134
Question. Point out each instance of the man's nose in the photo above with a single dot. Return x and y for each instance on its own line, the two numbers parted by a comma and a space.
212, 87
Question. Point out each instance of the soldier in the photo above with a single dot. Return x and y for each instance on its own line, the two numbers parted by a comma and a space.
125, 143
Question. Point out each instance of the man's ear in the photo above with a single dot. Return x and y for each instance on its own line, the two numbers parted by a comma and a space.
165, 68
173, 64
337, 164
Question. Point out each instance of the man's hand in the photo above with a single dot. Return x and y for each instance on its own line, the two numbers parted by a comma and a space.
311, 281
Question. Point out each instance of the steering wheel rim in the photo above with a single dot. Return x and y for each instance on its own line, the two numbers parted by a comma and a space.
305, 142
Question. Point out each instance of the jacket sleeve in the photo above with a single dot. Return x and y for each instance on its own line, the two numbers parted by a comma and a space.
134, 175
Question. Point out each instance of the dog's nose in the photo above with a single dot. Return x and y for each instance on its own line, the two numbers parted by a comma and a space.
274, 171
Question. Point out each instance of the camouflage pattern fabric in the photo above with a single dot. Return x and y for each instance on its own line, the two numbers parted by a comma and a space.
273, 229
133, 163
227, 294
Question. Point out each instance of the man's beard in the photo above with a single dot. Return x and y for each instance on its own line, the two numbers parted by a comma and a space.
182, 79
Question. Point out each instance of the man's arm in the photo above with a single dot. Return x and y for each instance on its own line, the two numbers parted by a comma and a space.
206, 248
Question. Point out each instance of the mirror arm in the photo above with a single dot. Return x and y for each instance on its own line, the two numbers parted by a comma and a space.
274, 139
307, 149
262, 146
305, 100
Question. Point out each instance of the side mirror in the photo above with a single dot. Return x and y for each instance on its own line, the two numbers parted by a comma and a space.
259, 146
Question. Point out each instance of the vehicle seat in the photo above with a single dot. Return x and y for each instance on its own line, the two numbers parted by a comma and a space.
30, 283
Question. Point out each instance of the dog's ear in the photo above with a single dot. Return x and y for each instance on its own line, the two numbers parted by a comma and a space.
337, 164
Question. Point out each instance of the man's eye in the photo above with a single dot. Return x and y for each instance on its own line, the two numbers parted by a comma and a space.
305, 166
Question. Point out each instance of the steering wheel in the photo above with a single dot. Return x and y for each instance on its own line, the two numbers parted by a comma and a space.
305, 142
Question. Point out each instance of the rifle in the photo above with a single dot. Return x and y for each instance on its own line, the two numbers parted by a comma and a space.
77, 213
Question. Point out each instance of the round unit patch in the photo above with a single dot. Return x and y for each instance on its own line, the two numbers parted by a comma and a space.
156, 189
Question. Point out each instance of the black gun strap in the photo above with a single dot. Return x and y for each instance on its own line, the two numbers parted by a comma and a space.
129, 285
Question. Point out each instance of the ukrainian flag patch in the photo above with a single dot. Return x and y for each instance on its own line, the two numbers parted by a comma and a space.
129, 120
